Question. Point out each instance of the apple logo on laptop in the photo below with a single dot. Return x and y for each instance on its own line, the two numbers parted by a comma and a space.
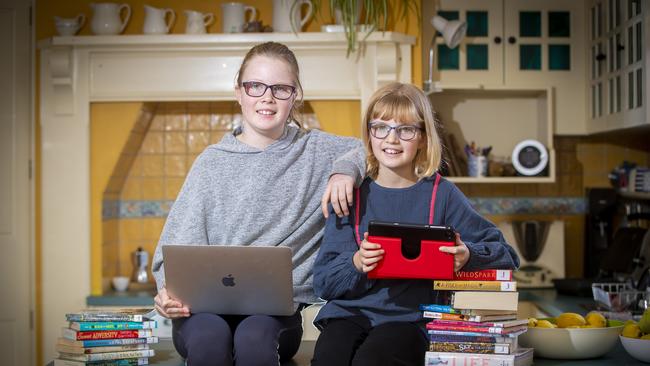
228, 281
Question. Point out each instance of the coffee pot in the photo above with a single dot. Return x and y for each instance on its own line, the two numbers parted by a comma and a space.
140, 260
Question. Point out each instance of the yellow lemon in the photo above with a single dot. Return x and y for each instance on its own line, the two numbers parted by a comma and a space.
631, 331
647, 336
566, 320
545, 324
629, 321
596, 320
532, 322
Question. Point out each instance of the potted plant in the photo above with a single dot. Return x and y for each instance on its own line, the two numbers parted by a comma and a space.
372, 14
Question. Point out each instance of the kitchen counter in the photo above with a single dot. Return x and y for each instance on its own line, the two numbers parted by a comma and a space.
548, 301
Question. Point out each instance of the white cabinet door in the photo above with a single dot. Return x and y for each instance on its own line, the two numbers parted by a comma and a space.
478, 60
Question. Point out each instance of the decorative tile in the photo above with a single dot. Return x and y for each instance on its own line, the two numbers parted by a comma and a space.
529, 205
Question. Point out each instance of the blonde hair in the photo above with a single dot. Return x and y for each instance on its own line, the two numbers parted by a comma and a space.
407, 104
282, 52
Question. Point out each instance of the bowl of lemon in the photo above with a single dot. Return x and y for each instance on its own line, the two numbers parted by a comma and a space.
636, 337
571, 336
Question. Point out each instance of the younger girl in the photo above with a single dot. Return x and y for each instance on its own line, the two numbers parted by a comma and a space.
377, 322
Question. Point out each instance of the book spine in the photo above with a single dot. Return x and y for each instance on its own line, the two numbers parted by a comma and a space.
475, 285
87, 350
104, 317
86, 326
109, 355
484, 275
462, 359
123, 362
105, 334
444, 316
107, 342
506, 324
471, 339
438, 308
470, 347
464, 328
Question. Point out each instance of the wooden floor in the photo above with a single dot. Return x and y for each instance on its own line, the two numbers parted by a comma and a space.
166, 355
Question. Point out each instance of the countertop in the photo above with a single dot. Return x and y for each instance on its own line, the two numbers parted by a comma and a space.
546, 300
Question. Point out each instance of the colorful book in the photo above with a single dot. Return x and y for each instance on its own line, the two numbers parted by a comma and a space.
123, 362
85, 326
476, 329
485, 300
87, 350
104, 334
484, 338
471, 347
107, 355
484, 275
475, 285
476, 312
467, 318
439, 308
475, 334
124, 315
521, 357
106, 342
501, 324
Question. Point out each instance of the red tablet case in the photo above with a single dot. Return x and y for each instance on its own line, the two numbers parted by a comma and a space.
430, 264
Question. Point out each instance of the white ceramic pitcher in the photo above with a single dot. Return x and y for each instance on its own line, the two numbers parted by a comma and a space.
156, 20
107, 18
197, 21
69, 26
285, 20
233, 16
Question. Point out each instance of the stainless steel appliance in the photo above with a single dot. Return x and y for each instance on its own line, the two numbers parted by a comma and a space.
140, 260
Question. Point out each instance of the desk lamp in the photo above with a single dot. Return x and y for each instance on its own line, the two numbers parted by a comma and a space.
453, 31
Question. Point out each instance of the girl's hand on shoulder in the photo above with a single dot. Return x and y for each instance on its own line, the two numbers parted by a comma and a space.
460, 252
368, 255
339, 192
169, 307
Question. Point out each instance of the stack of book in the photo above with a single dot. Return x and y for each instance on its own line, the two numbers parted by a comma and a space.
477, 324
115, 338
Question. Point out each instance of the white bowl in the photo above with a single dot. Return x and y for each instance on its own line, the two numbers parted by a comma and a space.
637, 348
571, 343
120, 283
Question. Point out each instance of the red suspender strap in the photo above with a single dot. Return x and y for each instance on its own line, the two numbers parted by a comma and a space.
433, 198
357, 193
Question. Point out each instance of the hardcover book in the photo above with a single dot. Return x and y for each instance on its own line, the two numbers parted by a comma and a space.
470, 347
461, 337
500, 324
475, 334
112, 325
107, 342
107, 355
484, 275
475, 285
485, 300
104, 334
123, 362
467, 318
125, 315
87, 350
522, 357
476, 329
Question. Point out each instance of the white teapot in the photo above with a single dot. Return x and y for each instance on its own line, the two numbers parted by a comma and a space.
197, 21
155, 20
107, 18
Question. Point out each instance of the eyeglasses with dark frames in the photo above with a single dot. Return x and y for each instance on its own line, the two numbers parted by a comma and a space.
381, 130
257, 89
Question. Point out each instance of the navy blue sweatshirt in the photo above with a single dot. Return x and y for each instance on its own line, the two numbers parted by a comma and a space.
349, 292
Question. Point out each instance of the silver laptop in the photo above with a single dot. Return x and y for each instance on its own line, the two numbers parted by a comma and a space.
242, 280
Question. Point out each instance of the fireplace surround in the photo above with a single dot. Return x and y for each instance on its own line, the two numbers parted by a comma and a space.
77, 71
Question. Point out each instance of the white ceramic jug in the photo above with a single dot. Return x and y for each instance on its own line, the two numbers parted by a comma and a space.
197, 21
285, 20
155, 20
69, 26
233, 16
106, 18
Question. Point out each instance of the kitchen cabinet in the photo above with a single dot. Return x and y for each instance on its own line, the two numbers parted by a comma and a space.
618, 64
516, 44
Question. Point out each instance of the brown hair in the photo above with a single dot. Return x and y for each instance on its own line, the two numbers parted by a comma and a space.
282, 52
407, 104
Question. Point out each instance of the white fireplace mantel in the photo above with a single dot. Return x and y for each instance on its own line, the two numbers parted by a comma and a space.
76, 71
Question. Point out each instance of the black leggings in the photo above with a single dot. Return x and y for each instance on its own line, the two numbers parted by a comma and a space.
353, 341
225, 340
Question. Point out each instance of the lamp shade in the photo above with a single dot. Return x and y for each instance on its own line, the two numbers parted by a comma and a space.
452, 31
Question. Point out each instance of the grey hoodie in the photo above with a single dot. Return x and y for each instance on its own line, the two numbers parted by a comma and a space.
236, 194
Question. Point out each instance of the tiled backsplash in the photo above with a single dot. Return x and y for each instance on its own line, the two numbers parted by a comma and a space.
167, 137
